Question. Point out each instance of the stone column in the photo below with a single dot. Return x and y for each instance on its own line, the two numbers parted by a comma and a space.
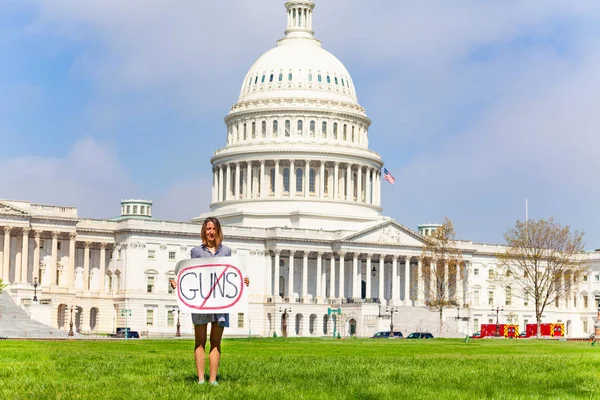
349, 185
355, 291
395, 287
342, 276
359, 196
6, 255
269, 276
214, 186
248, 179
86, 267
277, 273
262, 188
71, 269
305, 275
236, 185
306, 179
336, 181
102, 270
291, 274
277, 180
420, 283
378, 188
292, 178
332, 277
318, 293
24, 256
220, 195
228, 186
322, 180
35, 273
407, 299
53, 266
381, 271
368, 277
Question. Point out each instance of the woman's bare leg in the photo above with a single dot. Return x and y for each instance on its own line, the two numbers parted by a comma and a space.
199, 352
216, 333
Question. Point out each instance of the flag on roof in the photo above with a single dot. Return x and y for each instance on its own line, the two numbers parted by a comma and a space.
388, 177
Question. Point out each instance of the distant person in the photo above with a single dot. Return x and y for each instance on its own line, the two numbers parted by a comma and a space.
212, 238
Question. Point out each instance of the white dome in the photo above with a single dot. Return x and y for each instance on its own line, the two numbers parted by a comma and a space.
298, 68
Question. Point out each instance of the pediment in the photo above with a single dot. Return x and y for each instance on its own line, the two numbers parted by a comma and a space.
7, 209
389, 233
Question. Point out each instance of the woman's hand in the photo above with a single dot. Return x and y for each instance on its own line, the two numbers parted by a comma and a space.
173, 283
247, 281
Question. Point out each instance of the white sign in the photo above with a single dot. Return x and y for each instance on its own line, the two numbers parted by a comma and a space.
212, 285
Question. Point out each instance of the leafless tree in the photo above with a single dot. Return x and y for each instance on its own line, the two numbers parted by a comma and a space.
541, 262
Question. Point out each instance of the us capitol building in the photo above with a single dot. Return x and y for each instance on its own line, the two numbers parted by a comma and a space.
297, 190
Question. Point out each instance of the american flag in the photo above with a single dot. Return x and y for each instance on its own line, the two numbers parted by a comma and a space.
388, 177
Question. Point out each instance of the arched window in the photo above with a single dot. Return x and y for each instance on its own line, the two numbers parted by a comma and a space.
245, 129
326, 182
299, 180
263, 128
346, 184
312, 128
352, 133
256, 80
262, 80
324, 128
328, 79
355, 186
250, 81
343, 82
319, 78
280, 77
310, 76
271, 78
290, 77
345, 132
311, 180
253, 130
508, 295
286, 180
300, 126
335, 79
272, 180
288, 127
335, 130
275, 126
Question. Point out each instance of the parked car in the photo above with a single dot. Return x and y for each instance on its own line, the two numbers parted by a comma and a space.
420, 335
130, 334
386, 335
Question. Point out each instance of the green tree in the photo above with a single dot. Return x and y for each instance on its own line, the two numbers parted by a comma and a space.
443, 272
541, 263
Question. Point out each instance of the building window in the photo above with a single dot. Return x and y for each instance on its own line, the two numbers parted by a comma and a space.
355, 185
324, 129
245, 131
476, 297
312, 128
262, 80
172, 255
597, 278
41, 243
328, 79
585, 301
311, 181
476, 326
149, 317
290, 77
526, 299
585, 278
319, 78
299, 180
585, 326
491, 298
335, 125
171, 316
345, 137
263, 129
476, 271
58, 245
253, 130
275, 126
280, 77
286, 180
240, 320
508, 300
326, 181
271, 78
352, 132
288, 127
169, 287
150, 284
151, 254
135, 209
272, 180
491, 273
310, 76
300, 127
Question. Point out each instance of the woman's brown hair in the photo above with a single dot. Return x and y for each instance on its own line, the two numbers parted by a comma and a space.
218, 231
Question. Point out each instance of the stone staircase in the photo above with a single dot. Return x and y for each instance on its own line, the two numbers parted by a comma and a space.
15, 323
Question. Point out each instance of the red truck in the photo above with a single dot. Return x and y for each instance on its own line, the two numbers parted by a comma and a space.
504, 330
549, 330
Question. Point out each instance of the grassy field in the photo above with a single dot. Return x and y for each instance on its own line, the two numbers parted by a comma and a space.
302, 369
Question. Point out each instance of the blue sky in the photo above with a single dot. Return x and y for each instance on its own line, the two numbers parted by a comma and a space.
476, 105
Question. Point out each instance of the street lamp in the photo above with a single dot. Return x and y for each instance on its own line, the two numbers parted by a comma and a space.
178, 332
497, 310
391, 311
126, 312
337, 311
285, 311
35, 285
76, 309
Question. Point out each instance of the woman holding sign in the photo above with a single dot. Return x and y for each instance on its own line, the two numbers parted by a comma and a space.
212, 238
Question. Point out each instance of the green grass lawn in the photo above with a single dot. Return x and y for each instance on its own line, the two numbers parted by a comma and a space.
302, 369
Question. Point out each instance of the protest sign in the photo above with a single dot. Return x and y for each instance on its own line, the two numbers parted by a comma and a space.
212, 285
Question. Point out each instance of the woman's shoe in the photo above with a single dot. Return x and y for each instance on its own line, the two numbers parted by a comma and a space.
214, 383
